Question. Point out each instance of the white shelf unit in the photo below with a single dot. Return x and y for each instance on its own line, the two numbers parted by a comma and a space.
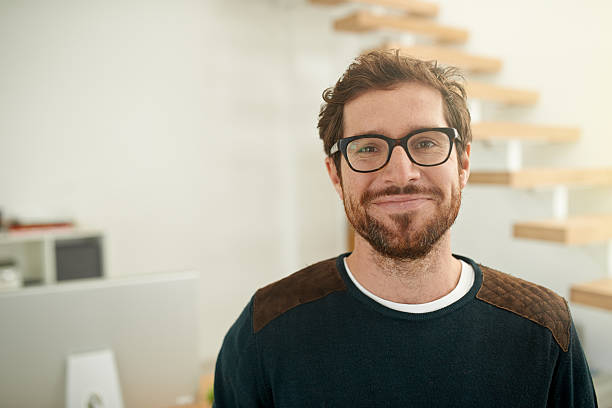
34, 251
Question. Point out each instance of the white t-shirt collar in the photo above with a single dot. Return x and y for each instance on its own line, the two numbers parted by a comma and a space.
466, 280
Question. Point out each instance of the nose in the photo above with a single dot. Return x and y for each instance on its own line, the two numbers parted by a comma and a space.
400, 170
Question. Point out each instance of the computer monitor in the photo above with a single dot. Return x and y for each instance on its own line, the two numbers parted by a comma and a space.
150, 323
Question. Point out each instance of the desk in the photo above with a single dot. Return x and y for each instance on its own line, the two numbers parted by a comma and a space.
205, 384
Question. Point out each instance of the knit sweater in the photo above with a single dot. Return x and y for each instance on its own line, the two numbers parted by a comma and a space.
314, 339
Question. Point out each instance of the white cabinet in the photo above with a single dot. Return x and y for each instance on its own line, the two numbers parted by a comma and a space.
38, 254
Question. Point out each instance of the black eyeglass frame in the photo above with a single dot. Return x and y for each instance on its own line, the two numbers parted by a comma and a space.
342, 145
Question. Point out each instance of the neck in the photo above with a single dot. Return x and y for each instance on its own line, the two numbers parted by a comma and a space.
411, 281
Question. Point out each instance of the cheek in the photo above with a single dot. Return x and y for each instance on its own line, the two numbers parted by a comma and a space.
448, 181
358, 185
353, 183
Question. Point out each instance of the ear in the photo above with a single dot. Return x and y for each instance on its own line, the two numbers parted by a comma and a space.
333, 175
464, 171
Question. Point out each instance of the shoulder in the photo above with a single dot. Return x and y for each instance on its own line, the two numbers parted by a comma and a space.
309, 284
528, 300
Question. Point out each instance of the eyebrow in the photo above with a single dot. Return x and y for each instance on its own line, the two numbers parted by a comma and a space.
380, 132
369, 132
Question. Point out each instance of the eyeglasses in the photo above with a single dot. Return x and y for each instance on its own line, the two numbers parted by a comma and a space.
425, 147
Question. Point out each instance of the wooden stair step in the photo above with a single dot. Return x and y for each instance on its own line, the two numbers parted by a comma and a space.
500, 94
576, 230
597, 294
542, 177
449, 56
415, 7
519, 131
362, 21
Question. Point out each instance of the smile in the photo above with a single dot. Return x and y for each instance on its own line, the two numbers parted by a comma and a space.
400, 202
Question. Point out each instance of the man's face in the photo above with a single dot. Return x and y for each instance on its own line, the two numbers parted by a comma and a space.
403, 209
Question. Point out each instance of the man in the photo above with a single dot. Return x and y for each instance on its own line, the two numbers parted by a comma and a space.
401, 321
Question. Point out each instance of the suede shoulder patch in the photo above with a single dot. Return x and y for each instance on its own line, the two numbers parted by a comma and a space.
526, 299
309, 284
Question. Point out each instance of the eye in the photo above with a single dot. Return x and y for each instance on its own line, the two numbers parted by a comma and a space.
368, 149
428, 141
424, 144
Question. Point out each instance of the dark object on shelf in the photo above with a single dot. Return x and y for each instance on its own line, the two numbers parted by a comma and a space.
32, 282
78, 258
7, 263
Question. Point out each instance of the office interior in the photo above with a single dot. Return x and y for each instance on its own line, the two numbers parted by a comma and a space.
181, 137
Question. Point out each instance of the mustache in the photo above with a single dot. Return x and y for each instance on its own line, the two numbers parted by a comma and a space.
371, 195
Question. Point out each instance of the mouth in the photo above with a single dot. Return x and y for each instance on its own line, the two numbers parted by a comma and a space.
401, 202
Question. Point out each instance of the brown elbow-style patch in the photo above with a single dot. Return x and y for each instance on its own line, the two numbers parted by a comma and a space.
526, 299
306, 285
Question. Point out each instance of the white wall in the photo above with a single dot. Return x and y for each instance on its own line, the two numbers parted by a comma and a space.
187, 131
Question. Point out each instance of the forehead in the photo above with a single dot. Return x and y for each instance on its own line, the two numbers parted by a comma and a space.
395, 111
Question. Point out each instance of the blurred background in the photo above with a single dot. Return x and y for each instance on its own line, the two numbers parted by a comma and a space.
185, 131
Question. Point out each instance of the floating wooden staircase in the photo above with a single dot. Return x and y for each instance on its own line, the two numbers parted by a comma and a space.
500, 94
414, 7
596, 294
449, 56
492, 131
543, 177
364, 21
576, 230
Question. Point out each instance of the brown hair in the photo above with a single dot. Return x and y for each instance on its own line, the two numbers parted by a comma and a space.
383, 70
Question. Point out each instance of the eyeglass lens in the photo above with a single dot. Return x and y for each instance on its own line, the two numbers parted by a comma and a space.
426, 148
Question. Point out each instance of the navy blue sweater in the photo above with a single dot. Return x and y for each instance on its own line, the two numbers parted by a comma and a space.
314, 340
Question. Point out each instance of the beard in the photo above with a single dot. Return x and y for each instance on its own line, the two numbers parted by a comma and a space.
404, 240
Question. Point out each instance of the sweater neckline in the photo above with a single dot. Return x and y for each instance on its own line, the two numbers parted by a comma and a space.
373, 304
463, 286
